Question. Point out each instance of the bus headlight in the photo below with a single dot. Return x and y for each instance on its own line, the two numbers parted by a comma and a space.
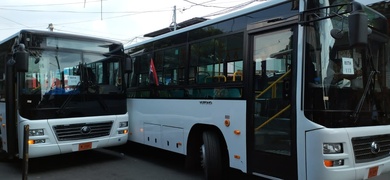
36, 132
332, 148
123, 124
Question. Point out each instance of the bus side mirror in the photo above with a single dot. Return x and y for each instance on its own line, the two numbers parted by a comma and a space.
358, 26
21, 57
128, 65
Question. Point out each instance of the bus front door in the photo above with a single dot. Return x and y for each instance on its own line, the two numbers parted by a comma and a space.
271, 129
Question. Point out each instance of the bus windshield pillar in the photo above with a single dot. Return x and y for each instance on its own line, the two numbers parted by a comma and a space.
10, 98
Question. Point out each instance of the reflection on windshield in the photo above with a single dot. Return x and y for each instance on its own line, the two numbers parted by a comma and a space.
345, 86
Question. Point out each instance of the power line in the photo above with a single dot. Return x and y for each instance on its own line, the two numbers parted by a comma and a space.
226, 10
201, 4
82, 21
14, 21
232, 8
43, 5
81, 12
209, 3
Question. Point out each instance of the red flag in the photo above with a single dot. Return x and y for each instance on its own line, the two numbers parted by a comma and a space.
152, 73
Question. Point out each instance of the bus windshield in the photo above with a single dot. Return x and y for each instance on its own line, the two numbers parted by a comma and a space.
345, 85
64, 72
71, 78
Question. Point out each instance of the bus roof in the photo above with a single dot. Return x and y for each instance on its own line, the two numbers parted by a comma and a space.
212, 21
58, 34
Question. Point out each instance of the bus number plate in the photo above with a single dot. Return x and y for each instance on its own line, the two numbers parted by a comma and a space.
373, 172
85, 146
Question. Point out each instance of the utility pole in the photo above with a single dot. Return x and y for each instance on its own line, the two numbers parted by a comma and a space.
174, 24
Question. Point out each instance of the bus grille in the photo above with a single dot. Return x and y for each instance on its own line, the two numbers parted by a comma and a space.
371, 148
82, 131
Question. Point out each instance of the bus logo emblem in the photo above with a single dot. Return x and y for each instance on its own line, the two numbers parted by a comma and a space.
375, 148
85, 130
205, 102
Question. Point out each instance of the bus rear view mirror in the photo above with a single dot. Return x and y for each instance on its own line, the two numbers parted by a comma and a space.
358, 26
128, 65
21, 58
337, 33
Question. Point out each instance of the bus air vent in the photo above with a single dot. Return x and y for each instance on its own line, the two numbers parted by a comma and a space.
371, 148
82, 131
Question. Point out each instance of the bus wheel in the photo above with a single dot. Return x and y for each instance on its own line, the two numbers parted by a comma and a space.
211, 156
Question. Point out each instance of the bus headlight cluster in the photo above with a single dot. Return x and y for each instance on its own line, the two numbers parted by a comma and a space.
36, 132
123, 124
332, 148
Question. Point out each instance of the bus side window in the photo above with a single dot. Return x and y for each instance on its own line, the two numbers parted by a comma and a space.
233, 93
237, 76
227, 93
202, 77
215, 79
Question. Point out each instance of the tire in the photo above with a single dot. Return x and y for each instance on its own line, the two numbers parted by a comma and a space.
211, 156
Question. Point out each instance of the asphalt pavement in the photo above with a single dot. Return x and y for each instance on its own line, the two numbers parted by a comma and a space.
128, 162
119, 163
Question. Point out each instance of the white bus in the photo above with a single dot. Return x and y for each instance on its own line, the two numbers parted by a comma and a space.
66, 88
281, 90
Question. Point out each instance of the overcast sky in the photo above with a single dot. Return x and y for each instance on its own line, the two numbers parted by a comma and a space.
122, 20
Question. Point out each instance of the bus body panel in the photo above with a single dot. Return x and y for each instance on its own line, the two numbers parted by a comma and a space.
350, 168
53, 146
304, 126
153, 121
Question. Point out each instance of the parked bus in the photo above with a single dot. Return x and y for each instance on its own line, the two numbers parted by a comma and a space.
281, 90
66, 88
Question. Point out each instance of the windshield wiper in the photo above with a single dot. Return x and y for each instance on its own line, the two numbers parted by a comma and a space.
83, 87
355, 114
68, 99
